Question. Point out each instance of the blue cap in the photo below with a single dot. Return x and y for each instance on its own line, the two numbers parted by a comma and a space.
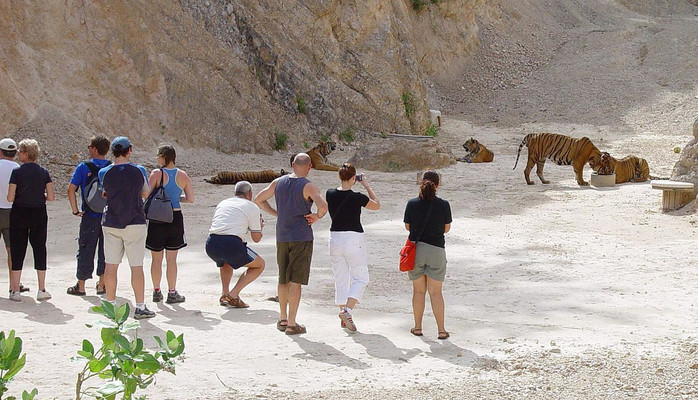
120, 143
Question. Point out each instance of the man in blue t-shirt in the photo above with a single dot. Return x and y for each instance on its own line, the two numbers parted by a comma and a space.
125, 184
90, 238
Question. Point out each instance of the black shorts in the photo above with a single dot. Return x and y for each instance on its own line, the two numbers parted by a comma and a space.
163, 236
229, 249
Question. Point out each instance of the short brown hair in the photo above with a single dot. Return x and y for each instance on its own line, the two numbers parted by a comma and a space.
347, 172
100, 143
31, 147
167, 152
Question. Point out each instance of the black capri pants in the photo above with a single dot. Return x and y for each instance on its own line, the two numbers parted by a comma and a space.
28, 225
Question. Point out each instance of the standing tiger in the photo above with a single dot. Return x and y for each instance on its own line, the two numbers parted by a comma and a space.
318, 156
476, 152
233, 177
561, 149
627, 169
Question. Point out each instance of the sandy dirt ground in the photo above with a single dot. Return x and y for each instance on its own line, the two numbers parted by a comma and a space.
552, 291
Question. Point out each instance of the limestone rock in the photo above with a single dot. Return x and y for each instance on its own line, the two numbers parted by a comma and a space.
686, 169
395, 155
230, 74
695, 126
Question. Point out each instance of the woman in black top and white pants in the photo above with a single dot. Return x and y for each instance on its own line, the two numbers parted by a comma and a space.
347, 246
430, 217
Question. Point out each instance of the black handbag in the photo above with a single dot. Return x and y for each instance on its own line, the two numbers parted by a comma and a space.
158, 207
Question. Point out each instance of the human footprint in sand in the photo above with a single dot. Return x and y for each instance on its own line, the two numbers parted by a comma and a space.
428, 218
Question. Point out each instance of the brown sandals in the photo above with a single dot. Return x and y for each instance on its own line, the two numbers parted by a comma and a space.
443, 335
295, 330
228, 301
281, 325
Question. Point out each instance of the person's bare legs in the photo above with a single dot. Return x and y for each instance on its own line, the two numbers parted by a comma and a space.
138, 283
110, 281
15, 277
351, 302
156, 268
171, 258
254, 269
283, 300
226, 272
419, 290
294, 300
437, 302
41, 277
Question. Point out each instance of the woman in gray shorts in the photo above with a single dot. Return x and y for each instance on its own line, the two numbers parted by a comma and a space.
429, 216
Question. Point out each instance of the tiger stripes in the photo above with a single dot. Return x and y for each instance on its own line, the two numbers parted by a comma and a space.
561, 149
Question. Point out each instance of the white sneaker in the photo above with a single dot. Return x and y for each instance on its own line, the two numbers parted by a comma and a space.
43, 295
15, 296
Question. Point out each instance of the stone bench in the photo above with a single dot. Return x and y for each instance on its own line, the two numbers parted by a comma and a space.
674, 194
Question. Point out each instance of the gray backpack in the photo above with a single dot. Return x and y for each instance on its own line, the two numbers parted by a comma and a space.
158, 207
92, 198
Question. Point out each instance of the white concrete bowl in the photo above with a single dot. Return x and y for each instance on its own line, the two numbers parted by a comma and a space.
603, 180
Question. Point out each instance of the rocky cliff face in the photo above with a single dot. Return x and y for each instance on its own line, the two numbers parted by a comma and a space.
229, 74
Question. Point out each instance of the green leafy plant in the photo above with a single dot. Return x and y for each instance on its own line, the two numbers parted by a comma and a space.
280, 141
432, 130
408, 102
306, 145
325, 137
11, 362
301, 105
419, 5
123, 362
348, 135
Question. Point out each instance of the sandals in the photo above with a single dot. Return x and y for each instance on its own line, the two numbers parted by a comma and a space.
443, 335
228, 301
416, 331
101, 291
295, 330
75, 290
281, 325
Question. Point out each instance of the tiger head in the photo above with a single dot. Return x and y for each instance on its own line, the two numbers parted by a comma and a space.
326, 147
472, 146
598, 160
602, 163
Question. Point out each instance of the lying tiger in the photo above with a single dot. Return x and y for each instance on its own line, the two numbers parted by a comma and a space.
318, 156
561, 149
627, 169
476, 152
233, 177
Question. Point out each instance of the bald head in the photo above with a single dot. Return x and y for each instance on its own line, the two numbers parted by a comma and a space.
302, 159
301, 165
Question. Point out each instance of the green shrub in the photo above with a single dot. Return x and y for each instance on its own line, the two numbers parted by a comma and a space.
432, 130
419, 5
11, 362
280, 141
122, 362
348, 135
306, 145
301, 104
325, 137
408, 102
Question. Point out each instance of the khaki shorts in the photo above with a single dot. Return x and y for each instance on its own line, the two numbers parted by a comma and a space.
430, 261
294, 261
129, 240
5, 225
